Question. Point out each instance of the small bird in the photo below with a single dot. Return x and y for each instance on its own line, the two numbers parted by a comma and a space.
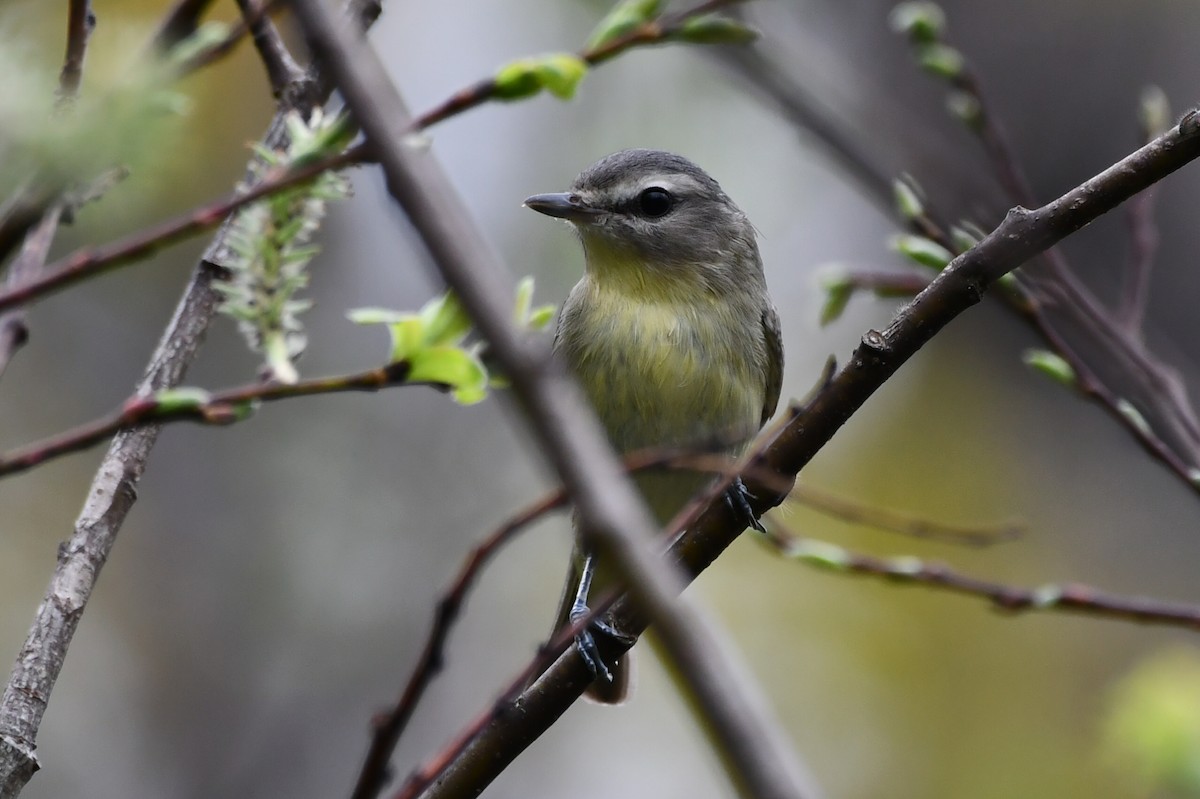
671, 334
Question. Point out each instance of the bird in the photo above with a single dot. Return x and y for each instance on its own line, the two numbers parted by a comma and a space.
670, 332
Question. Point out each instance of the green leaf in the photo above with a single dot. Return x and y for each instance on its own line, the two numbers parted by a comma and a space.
408, 338
523, 301
453, 367
624, 18
820, 553
1154, 111
541, 316
517, 80
561, 73
715, 29
1133, 416
907, 196
963, 238
181, 400
835, 281
921, 22
558, 73
208, 35
1051, 364
923, 251
941, 60
444, 321
966, 108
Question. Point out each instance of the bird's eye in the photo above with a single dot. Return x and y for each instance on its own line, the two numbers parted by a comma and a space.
656, 202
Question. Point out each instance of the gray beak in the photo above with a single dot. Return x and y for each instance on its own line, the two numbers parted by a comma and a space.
563, 205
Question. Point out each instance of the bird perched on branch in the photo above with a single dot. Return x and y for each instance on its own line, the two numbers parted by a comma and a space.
671, 334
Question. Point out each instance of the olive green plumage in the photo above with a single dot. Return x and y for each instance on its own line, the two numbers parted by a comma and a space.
670, 332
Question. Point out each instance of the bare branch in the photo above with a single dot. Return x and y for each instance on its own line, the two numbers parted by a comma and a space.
1066, 597
282, 70
892, 521
90, 261
13, 330
650, 33
81, 21
218, 408
179, 23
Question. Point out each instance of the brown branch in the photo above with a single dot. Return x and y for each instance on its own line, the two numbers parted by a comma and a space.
29, 262
81, 21
179, 23
282, 70
88, 262
388, 727
892, 521
1172, 435
650, 33
1064, 597
218, 408
108, 500
519, 721
612, 515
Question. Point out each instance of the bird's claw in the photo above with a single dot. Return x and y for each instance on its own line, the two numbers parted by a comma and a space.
738, 498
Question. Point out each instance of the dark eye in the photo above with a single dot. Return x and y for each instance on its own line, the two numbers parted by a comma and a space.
656, 202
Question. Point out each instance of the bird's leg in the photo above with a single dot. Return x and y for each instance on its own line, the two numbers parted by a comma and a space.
584, 640
737, 497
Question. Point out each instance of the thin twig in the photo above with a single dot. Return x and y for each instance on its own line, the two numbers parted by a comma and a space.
89, 261
1143, 232
25, 267
651, 33
388, 727
282, 69
81, 21
218, 408
904, 524
179, 23
759, 759
1057, 597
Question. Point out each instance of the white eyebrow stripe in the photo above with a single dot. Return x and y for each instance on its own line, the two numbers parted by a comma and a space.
673, 182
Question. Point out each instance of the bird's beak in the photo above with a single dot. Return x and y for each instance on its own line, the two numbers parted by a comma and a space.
564, 206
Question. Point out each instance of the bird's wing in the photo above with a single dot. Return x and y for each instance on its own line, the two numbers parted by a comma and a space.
773, 340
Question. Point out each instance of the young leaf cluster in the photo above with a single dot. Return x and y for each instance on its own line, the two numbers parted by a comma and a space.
271, 244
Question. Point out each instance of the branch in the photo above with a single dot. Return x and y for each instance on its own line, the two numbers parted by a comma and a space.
80, 24
1066, 597
1164, 425
179, 23
109, 499
88, 262
219, 408
282, 70
518, 722
658, 31
14, 331
611, 513
892, 521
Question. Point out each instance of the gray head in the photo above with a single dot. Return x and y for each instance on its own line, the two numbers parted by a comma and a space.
656, 210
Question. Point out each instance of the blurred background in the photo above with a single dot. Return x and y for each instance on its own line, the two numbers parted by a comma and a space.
276, 579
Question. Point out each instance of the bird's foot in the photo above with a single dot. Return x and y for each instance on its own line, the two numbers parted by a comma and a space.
738, 499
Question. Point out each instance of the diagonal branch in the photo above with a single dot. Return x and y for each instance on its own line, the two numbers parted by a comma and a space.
81, 21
